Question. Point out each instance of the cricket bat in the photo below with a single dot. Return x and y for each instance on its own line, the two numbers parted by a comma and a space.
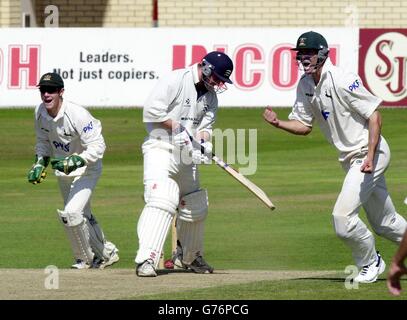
258, 192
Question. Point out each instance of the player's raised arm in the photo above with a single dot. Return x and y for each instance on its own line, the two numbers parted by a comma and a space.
292, 126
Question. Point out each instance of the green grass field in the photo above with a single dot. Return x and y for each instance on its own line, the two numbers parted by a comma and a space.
301, 174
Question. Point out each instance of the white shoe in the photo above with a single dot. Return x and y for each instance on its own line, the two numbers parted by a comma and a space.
80, 264
405, 201
369, 273
114, 257
146, 269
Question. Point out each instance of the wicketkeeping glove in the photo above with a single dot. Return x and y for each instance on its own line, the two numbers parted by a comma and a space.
68, 164
37, 172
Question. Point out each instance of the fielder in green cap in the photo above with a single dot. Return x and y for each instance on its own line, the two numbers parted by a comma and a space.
347, 114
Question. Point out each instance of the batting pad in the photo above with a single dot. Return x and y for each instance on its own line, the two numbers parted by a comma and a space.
190, 235
97, 239
194, 206
162, 194
78, 234
152, 230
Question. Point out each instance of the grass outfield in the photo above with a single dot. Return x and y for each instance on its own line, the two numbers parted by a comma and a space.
301, 174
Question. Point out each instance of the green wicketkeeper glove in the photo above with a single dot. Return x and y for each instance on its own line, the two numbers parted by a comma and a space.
68, 164
37, 172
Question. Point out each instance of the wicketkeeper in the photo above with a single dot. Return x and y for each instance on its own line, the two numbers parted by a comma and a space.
73, 137
182, 104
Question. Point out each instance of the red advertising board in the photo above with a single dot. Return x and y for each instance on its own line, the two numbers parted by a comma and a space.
383, 64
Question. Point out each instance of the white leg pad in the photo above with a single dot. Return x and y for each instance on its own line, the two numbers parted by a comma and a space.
97, 239
194, 206
190, 235
152, 230
110, 247
78, 234
162, 194
162, 199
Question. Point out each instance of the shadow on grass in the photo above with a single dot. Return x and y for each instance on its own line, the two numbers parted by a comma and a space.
336, 279
331, 279
169, 271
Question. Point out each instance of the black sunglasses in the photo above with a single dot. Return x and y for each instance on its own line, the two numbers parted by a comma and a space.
49, 89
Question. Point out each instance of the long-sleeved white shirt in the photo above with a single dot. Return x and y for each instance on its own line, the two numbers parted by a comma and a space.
340, 104
73, 130
175, 97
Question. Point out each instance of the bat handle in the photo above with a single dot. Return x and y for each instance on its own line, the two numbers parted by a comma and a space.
195, 142
202, 147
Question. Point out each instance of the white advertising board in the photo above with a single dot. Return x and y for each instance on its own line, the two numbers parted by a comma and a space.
118, 67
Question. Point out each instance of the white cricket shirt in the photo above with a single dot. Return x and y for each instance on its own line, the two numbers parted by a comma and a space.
73, 130
175, 97
340, 104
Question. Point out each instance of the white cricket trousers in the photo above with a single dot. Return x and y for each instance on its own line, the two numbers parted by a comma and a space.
161, 163
77, 192
370, 191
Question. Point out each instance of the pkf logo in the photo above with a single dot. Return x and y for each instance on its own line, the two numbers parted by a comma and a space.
383, 64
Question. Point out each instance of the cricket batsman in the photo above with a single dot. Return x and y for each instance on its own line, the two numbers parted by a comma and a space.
73, 137
182, 105
347, 114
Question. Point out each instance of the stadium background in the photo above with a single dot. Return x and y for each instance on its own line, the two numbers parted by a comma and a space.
303, 181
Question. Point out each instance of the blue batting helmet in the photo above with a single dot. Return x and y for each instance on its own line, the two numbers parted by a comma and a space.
218, 63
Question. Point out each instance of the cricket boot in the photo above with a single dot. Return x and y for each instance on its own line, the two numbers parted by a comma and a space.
199, 265
146, 269
369, 273
80, 264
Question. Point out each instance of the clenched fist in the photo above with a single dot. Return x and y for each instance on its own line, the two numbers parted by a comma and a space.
271, 117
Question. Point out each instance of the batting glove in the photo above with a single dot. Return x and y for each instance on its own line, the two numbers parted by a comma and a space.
68, 164
37, 172
181, 137
204, 155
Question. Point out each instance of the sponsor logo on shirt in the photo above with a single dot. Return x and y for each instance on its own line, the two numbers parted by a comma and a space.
60, 145
67, 134
194, 120
187, 103
325, 114
354, 85
309, 94
88, 127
